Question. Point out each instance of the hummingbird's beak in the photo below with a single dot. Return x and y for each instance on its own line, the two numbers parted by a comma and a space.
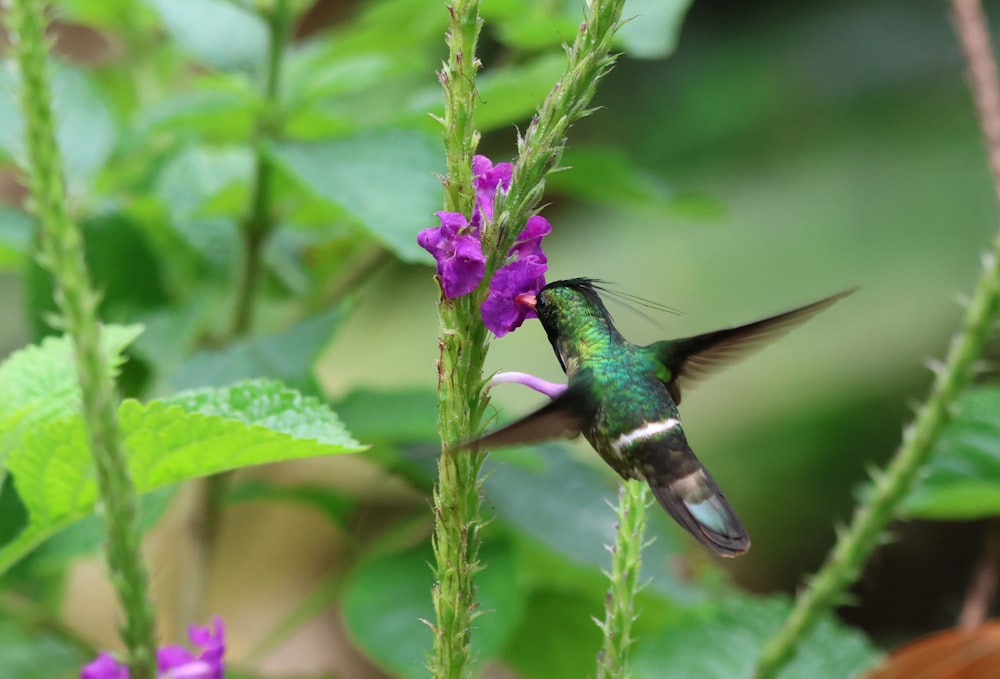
526, 300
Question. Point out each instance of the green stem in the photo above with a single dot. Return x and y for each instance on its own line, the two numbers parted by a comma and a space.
626, 564
260, 220
62, 254
857, 543
462, 344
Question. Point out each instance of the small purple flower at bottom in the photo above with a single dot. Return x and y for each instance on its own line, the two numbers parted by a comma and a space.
455, 245
173, 662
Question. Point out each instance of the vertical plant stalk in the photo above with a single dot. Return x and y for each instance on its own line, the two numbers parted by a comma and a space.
463, 340
62, 254
259, 222
206, 513
462, 345
626, 564
854, 545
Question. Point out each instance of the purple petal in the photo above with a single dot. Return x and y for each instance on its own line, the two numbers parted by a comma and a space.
104, 666
452, 224
487, 178
463, 270
213, 644
173, 656
198, 669
529, 241
500, 311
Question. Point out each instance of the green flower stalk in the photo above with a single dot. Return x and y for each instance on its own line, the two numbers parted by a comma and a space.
626, 564
62, 254
464, 339
857, 543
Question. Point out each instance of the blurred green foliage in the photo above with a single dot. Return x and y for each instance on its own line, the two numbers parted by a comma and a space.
780, 155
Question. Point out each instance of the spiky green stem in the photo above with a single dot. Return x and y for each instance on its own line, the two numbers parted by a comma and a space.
462, 344
626, 564
857, 543
62, 254
539, 150
464, 340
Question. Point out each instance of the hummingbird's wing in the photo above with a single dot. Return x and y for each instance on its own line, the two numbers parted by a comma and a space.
563, 417
692, 358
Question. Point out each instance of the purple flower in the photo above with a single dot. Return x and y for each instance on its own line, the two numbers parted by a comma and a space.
458, 252
461, 265
523, 275
173, 662
487, 178
104, 666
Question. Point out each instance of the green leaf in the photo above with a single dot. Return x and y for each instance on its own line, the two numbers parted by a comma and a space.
385, 179
557, 638
38, 383
653, 28
530, 25
109, 239
191, 435
34, 653
287, 356
86, 536
333, 504
86, 128
508, 95
406, 416
221, 107
962, 480
15, 237
727, 641
387, 598
564, 505
188, 182
217, 33
608, 176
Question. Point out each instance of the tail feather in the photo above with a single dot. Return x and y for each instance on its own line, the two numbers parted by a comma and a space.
696, 503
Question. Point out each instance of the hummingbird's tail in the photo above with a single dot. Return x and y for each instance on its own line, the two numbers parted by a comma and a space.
688, 492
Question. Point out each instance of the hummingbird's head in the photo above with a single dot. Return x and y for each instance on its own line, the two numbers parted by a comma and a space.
572, 313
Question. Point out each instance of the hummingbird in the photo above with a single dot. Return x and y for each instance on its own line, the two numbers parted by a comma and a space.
624, 399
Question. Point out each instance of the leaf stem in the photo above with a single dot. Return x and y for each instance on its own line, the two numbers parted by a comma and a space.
856, 544
63, 255
626, 564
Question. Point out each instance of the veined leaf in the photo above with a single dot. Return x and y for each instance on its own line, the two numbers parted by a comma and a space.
962, 480
287, 356
727, 642
86, 129
39, 382
385, 179
191, 435
387, 598
217, 33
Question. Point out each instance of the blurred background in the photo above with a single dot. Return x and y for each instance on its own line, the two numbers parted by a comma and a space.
785, 151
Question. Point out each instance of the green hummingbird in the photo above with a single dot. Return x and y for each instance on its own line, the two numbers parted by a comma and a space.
623, 398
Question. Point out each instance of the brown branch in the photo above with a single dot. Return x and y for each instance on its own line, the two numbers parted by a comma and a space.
983, 587
974, 34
